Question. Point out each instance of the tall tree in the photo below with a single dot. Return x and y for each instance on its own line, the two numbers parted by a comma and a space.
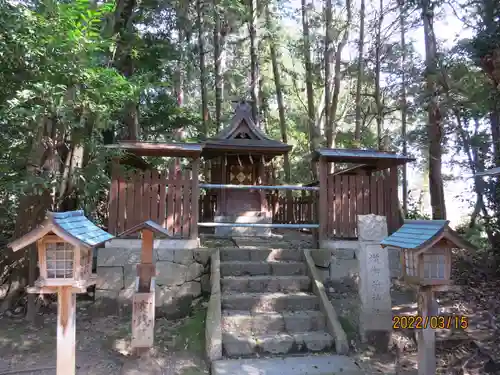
435, 118
404, 102
203, 69
328, 66
218, 64
378, 94
331, 127
279, 91
306, 38
359, 75
254, 60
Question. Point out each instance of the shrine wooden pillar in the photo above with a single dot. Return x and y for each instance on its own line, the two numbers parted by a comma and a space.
223, 169
261, 181
321, 203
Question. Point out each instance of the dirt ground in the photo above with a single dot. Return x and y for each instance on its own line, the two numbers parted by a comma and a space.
103, 345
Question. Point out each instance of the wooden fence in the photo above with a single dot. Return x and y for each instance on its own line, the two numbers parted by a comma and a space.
162, 196
352, 195
293, 209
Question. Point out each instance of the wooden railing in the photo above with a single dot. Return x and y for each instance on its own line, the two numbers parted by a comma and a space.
162, 196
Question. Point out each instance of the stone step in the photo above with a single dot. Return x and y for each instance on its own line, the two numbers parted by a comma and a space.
269, 302
261, 323
235, 344
266, 283
292, 365
254, 268
260, 254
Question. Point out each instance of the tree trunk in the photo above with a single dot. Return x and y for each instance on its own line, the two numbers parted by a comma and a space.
279, 94
332, 109
359, 81
378, 95
203, 70
123, 26
434, 126
328, 68
254, 60
313, 136
217, 65
404, 102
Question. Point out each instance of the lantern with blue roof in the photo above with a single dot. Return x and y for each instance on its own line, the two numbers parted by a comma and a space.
65, 241
426, 249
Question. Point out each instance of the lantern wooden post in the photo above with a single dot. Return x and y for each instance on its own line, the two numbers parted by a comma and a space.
66, 331
426, 337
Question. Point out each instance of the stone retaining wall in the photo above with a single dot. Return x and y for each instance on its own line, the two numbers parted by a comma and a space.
181, 273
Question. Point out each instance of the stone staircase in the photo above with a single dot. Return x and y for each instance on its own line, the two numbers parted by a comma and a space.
268, 308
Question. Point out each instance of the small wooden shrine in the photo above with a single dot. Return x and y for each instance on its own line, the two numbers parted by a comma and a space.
240, 155
65, 241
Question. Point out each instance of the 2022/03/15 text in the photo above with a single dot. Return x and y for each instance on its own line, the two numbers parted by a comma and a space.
433, 322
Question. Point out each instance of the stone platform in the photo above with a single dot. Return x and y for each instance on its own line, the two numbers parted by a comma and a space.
253, 217
300, 365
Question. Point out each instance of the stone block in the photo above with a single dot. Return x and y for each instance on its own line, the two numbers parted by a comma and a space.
205, 283
183, 256
168, 273
276, 344
236, 345
372, 228
112, 256
164, 254
321, 258
194, 270
304, 321
157, 244
110, 278
202, 256
288, 268
191, 288
248, 217
342, 268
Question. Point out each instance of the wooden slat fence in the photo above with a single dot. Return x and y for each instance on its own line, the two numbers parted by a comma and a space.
162, 196
352, 195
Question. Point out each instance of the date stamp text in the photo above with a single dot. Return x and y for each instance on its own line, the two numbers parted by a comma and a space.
433, 322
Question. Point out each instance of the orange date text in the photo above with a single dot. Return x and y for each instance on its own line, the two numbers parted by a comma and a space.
433, 322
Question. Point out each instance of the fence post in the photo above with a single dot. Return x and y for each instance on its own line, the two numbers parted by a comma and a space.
195, 197
322, 203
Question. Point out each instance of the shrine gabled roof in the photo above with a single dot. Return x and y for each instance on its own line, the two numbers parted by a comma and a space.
142, 148
421, 234
226, 139
358, 156
71, 226
148, 225
489, 172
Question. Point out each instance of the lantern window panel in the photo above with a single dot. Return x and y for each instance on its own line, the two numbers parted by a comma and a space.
60, 260
410, 263
435, 266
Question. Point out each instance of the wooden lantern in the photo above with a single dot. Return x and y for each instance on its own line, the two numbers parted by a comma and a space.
65, 241
426, 247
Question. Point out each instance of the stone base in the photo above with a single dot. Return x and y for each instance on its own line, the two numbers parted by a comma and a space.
253, 217
171, 244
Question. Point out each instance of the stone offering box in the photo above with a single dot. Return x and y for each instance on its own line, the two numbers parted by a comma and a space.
65, 241
426, 248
